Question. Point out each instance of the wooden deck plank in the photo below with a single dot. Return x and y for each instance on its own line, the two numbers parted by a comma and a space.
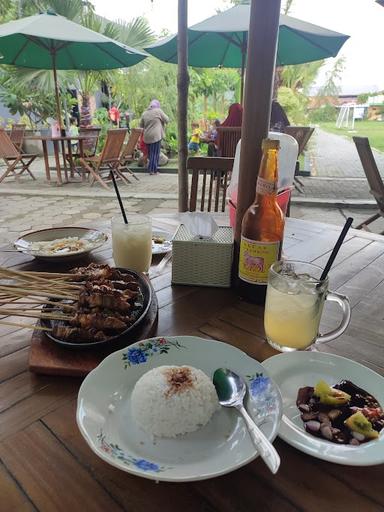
13, 364
348, 248
131, 492
305, 482
12, 498
50, 476
354, 264
27, 411
20, 387
192, 310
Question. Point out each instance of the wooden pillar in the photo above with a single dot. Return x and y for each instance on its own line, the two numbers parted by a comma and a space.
182, 102
261, 56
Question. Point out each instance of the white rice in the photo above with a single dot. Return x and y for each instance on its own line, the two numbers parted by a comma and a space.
172, 400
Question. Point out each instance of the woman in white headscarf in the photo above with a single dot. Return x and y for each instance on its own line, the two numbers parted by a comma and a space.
153, 121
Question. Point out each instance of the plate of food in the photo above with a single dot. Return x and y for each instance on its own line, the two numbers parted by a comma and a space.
101, 306
332, 407
161, 241
60, 243
151, 409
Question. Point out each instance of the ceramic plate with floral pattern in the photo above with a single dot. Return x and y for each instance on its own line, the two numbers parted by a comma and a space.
223, 445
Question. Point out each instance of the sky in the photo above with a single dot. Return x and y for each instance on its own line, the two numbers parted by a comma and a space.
362, 20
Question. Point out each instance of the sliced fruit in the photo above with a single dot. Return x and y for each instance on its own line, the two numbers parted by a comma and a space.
359, 423
330, 396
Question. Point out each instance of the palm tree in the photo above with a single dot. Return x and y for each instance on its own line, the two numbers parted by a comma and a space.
136, 33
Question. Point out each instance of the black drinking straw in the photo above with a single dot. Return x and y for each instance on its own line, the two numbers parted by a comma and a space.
336, 249
119, 199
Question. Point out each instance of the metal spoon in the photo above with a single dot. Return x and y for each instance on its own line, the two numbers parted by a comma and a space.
231, 389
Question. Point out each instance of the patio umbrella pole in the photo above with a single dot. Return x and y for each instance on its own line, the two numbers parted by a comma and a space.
262, 45
57, 94
243, 55
182, 102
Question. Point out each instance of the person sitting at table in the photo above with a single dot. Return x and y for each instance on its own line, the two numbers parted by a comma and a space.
211, 138
279, 119
73, 132
234, 118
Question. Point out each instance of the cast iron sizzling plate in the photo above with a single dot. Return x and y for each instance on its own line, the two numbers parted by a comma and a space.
146, 299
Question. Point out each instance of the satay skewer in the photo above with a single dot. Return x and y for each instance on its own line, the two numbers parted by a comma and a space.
25, 326
48, 316
22, 292
38, 302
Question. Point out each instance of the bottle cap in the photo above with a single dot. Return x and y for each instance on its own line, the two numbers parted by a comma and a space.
270, 144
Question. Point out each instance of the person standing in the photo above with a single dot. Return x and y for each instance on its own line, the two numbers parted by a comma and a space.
153, 122
114, 115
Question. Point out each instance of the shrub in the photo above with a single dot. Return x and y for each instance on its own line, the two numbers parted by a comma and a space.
325, 113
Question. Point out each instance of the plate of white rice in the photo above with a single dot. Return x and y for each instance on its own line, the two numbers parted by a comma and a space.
151, 409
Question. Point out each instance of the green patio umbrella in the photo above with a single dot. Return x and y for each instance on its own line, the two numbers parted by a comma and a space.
50, 41
221, 41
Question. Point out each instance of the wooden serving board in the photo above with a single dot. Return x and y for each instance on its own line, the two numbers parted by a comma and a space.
49, 358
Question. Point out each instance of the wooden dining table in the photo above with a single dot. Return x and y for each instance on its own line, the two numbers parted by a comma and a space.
46, 464
62, 146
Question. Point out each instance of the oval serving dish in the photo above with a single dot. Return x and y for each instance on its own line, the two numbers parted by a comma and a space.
115, 340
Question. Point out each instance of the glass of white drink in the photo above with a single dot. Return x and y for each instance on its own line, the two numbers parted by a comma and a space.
132, 242
294, 304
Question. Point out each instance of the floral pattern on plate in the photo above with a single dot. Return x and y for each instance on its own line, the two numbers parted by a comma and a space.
114, 451
142, 351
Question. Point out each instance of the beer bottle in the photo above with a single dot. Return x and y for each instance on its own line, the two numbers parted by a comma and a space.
262, 229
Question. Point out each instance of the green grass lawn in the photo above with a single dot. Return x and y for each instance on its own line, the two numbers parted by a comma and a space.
374, 130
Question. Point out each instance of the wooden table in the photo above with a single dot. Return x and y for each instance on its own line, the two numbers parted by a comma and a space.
59, 146
47, 466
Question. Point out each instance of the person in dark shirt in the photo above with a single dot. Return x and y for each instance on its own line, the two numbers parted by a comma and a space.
279, 119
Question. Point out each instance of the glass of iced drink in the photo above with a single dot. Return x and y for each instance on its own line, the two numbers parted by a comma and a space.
294, 305
132, 242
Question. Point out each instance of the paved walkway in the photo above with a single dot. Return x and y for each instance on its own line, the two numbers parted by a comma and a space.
337, 190
335, 156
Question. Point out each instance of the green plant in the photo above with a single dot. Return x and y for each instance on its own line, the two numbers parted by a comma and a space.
27, 100
170, 142
325, 113
101, 118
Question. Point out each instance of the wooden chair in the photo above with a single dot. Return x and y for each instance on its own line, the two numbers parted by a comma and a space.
128, 153
227, 139
13, 158
214, 173
90, 144
109, 159
375, 181
89, 147
17, 135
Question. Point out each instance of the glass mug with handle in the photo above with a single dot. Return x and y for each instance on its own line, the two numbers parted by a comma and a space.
294, 305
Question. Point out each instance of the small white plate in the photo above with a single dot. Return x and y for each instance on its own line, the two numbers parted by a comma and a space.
166, 246
223, 445
94, 237
294, 370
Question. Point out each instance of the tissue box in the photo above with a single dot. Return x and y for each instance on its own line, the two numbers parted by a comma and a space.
202, 262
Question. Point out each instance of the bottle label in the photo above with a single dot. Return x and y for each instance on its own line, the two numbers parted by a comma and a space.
265, 187
255, 260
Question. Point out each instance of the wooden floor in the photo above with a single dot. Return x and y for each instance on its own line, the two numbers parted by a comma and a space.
46, 465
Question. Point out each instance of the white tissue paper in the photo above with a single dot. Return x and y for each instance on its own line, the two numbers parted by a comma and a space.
200, 225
